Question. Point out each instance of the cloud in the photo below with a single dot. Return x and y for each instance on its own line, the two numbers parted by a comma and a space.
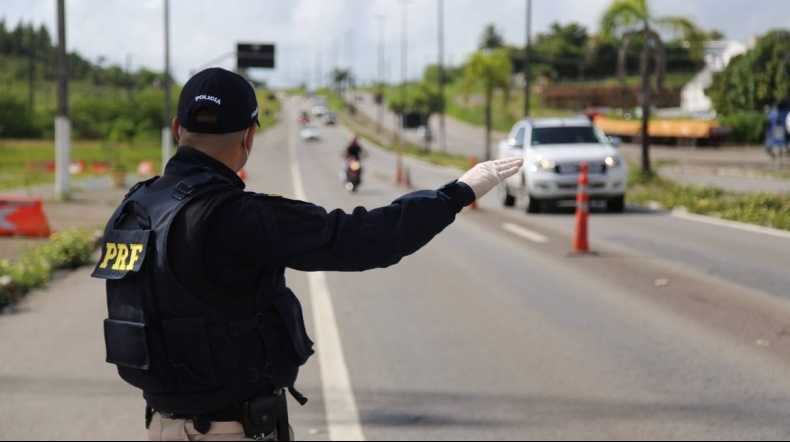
313, 35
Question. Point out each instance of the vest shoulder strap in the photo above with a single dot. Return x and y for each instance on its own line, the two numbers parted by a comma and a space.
139, 186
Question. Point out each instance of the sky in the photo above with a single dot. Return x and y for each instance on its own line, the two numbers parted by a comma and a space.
312, 36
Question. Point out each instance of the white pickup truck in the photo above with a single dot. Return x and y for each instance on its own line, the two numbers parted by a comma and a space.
553, 150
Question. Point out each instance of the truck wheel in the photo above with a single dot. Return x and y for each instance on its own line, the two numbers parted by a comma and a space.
509, 200
616, 205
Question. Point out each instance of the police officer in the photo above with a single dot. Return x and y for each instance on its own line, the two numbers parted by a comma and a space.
200, 317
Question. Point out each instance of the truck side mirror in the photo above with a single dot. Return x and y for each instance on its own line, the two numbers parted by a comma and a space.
616, 141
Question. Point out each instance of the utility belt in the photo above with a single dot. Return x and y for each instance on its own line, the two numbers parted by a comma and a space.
263, 418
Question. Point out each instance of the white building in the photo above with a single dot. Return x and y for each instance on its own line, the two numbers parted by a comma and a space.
717, 56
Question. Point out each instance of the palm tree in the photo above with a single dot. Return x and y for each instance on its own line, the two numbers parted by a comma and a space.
340, 78
490, 71
491, 38
630, 21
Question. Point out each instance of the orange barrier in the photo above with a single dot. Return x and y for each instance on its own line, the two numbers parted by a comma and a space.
23, 217
146, 168
77, 167
658, 128
581, 242
100, 167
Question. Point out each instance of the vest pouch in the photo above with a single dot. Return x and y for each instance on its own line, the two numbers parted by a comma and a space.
126, 344
289, 309
189, 354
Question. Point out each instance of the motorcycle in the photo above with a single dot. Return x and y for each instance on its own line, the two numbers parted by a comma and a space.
353, 174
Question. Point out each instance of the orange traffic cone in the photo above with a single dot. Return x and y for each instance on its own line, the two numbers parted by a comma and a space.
581, 242
399, 175
23, 217
243, 174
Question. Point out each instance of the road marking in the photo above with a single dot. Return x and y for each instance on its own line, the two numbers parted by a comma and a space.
525, 233
682, 214
342, 415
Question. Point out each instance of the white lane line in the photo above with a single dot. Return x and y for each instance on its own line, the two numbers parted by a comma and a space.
525, 233
682, 214
342, 415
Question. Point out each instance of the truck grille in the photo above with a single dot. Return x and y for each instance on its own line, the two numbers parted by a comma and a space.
575, 168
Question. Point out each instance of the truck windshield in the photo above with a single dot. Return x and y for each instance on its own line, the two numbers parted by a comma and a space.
545, 136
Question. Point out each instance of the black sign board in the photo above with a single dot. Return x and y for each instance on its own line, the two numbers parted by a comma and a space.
413, 120
255, 55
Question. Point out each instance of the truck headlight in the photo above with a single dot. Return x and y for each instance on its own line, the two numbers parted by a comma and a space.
546, 165
612, 162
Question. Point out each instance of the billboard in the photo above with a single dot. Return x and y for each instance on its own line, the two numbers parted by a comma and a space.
255, 55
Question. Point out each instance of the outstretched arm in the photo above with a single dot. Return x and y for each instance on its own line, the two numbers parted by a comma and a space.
307, 237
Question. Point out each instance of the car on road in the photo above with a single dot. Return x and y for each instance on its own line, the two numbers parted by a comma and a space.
310, 133
319, 110
331, 119
554, 150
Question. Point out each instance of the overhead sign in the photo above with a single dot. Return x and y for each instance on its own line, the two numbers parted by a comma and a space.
255, 55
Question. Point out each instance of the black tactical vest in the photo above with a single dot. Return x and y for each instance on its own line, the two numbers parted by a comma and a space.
191, 355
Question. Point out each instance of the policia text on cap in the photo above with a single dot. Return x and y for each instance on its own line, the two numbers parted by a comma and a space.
200, 317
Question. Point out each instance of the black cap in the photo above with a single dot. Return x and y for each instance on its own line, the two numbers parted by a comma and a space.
217, 101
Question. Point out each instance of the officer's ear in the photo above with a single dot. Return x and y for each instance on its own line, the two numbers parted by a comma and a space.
249, 137
175, 129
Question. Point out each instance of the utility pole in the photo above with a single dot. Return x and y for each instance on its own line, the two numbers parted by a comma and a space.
167, 136
62, 123
645, 101
403, 92
440, 65
380, 89
527, 70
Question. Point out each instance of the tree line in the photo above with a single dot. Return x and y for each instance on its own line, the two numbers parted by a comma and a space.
106, 101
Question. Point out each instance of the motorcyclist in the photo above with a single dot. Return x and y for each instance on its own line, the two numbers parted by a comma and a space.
354, 150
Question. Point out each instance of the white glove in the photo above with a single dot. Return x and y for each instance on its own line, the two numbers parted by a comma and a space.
485, 176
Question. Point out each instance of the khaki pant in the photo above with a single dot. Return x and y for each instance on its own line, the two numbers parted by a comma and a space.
165, 429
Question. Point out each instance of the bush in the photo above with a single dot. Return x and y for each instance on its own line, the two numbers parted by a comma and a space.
746, 127
65, 250
16, 120
757, 79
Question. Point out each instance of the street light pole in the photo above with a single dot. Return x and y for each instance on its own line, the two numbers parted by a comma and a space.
403, 92
167, 136
380, 89
62, 123
442, 127
527, 50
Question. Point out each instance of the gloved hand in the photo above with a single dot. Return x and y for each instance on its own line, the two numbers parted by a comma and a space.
485, 176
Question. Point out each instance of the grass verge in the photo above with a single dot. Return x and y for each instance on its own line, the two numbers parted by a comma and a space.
24, 162
763, 209
64, 251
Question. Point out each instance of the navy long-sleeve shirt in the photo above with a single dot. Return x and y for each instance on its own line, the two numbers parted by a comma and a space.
254, 234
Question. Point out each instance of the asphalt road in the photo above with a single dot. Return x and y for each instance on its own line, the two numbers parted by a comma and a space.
487, 335
677, 329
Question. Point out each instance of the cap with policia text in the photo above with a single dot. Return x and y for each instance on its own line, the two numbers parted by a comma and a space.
217, 101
